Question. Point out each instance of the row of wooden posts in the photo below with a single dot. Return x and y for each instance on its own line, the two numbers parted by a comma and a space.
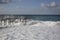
9, 21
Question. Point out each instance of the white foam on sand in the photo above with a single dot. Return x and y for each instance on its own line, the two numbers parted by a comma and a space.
33, 30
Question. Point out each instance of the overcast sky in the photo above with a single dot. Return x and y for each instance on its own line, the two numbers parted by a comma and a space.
39, 7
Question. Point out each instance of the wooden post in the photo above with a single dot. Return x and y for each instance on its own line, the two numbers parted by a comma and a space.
7, 22
2, 22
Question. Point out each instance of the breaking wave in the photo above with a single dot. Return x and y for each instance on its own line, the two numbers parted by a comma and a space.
43, 23
31, 30
36, 23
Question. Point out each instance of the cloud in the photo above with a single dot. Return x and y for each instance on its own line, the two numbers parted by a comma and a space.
50, 8
51, 5
42, 5
5, 1
8, 1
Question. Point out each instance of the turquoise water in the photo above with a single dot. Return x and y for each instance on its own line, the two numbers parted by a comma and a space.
45, 17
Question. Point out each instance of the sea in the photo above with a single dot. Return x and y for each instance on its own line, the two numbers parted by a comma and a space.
41, 27
44, 17
36, 17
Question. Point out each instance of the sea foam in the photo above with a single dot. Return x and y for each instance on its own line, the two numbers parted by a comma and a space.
32, 30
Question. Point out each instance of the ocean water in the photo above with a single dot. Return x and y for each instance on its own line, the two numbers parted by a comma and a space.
37, 17
39, 28
45, 17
